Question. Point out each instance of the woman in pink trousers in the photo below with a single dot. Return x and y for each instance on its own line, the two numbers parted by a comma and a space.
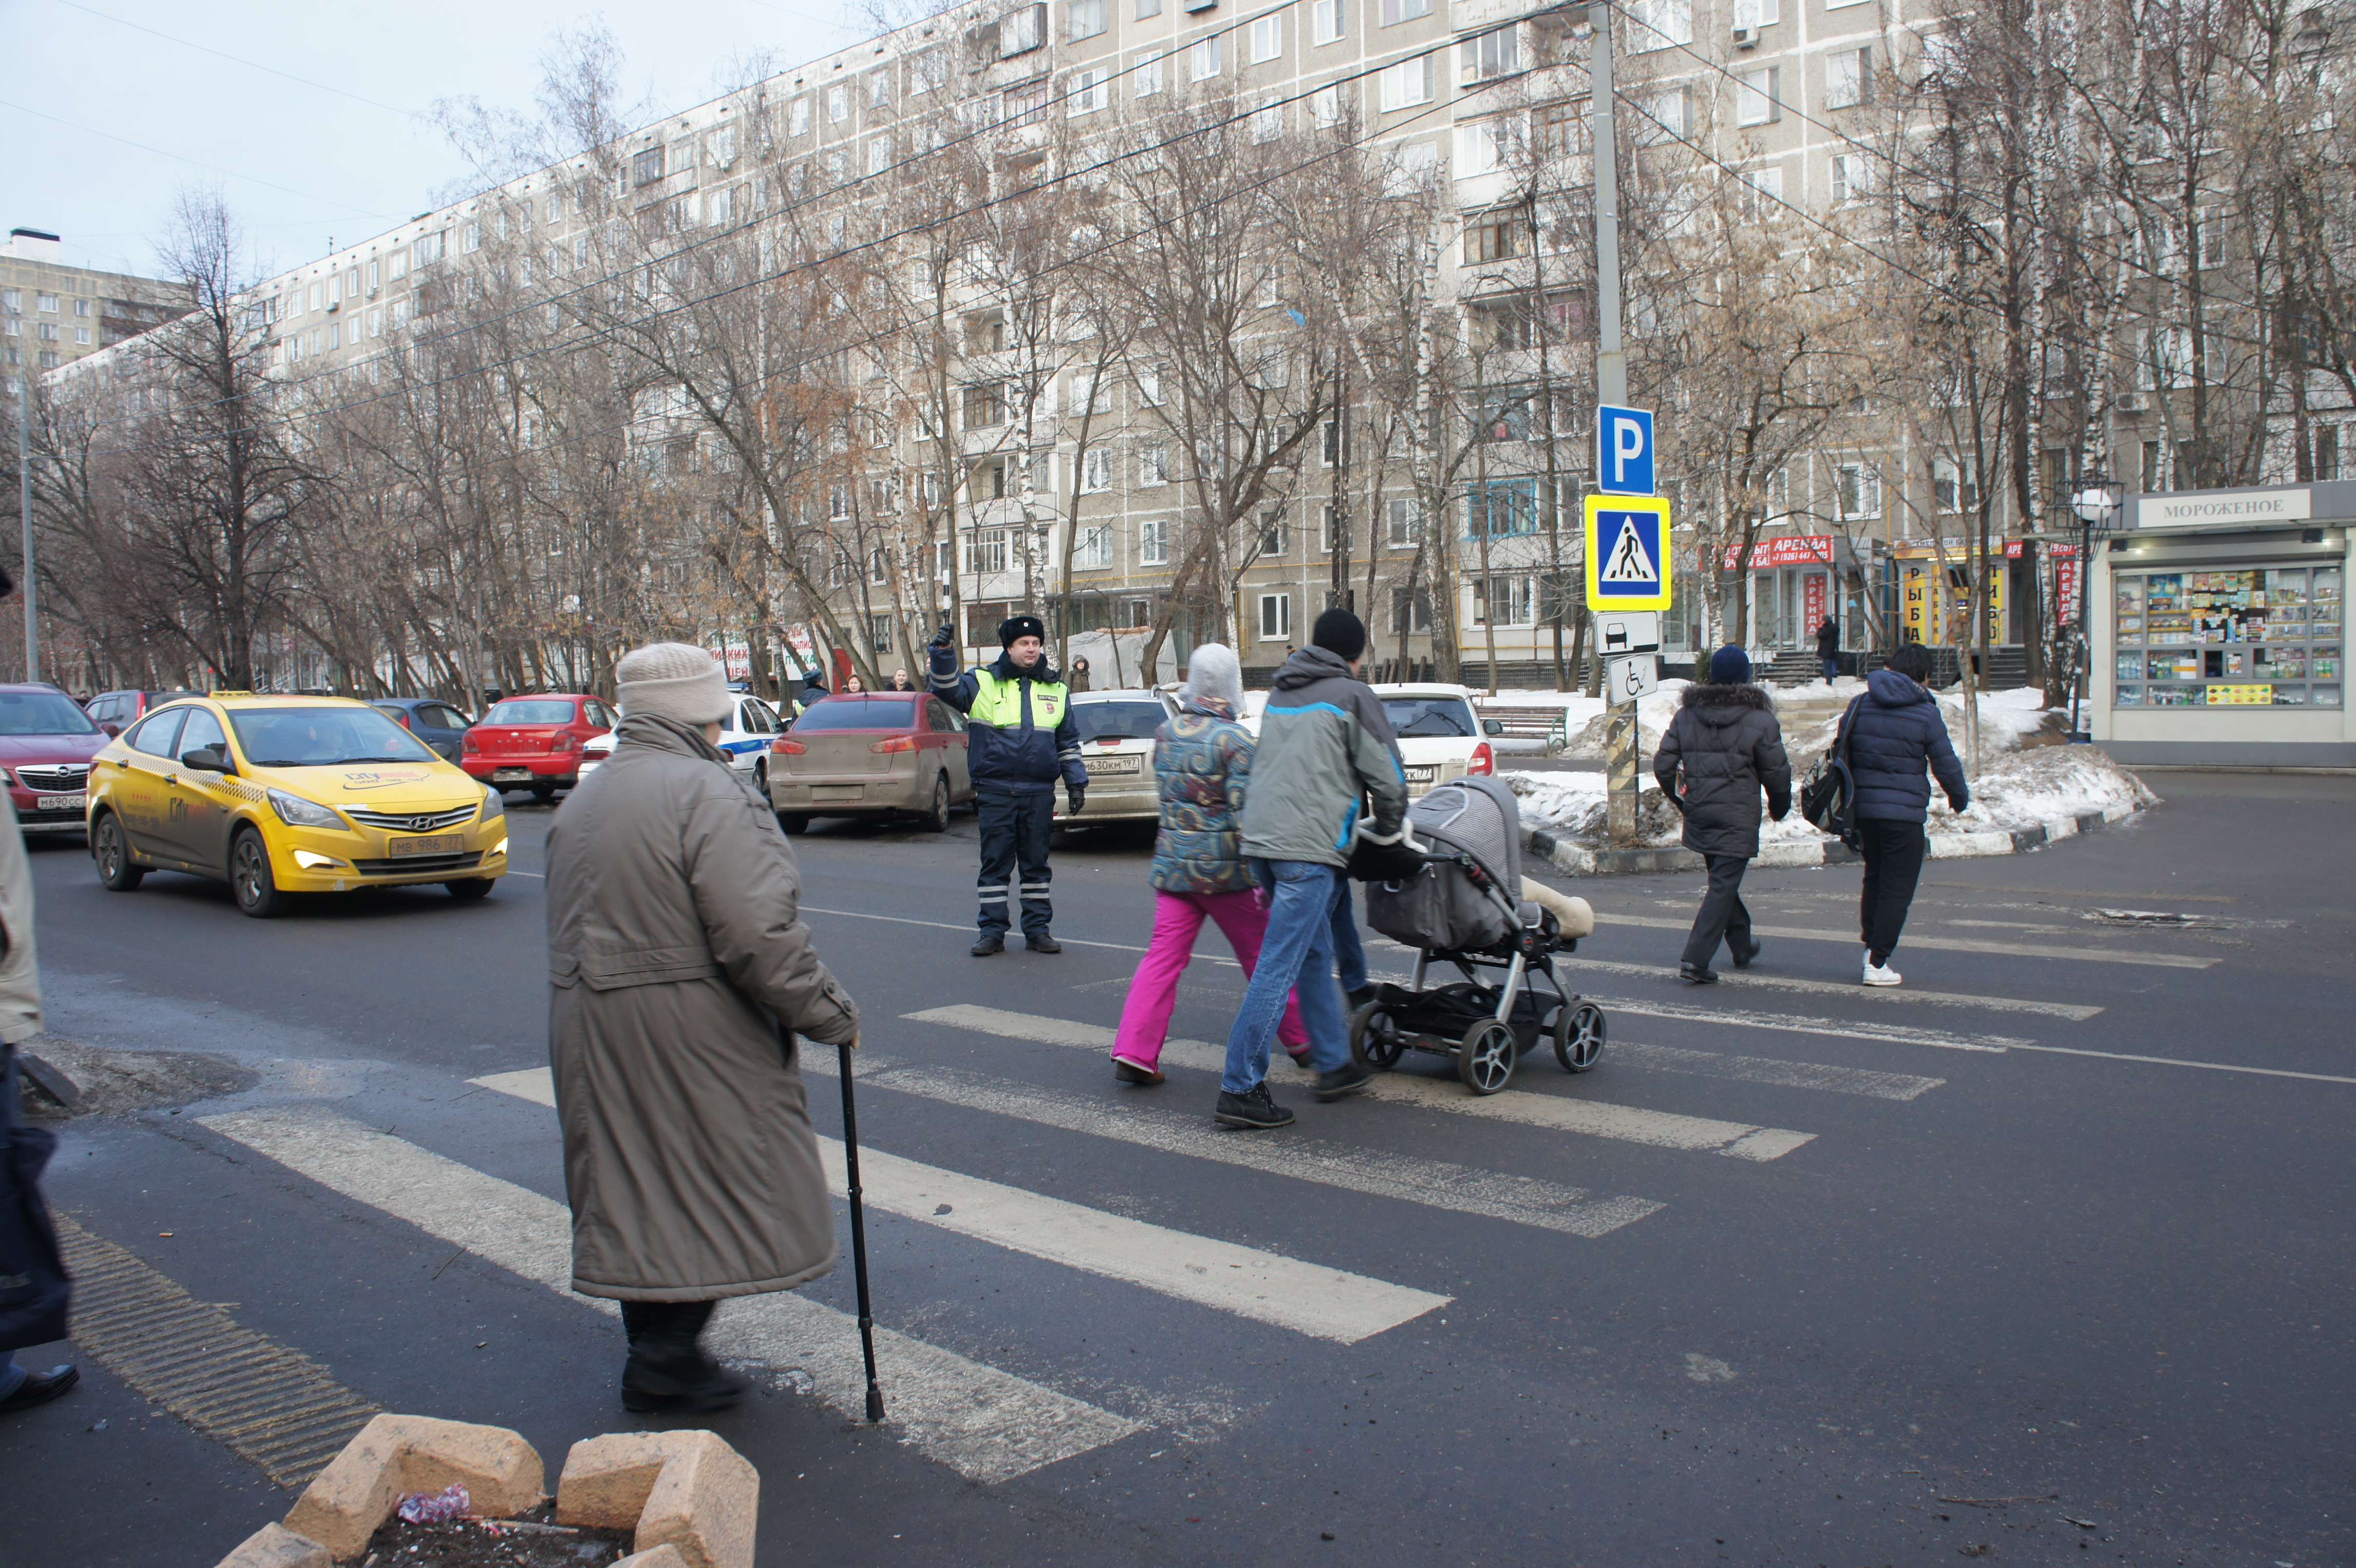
1202, 761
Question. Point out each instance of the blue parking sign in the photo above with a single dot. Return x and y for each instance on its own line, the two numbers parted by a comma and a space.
1627, 543
1623, 450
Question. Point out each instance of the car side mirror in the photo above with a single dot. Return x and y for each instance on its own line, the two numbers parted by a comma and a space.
112, 728
207, 760
1493, 727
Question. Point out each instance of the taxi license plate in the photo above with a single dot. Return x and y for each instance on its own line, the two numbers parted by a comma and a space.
512, 776
1423, 774
1111, 764
436, 844
60, 803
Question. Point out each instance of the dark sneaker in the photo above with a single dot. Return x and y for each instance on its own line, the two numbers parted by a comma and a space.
1342, 1081
1043, 942
1129, 1071
1745, 952
989, 942
1698, 974
1256, 1111
1361, 996
40, 1387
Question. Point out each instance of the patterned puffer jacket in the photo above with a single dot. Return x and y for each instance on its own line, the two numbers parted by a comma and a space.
1202, 761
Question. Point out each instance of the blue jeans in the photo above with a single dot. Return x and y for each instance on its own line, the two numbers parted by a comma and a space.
1832, 670
1349, 953
1296, 955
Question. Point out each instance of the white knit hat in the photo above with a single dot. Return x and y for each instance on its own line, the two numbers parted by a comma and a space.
675, 681
1212, 670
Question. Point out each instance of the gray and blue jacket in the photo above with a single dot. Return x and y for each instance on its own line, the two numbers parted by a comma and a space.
1324, 744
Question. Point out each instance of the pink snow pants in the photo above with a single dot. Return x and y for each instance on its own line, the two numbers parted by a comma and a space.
1177, 921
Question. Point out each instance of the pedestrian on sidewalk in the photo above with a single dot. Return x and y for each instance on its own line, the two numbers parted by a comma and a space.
1895, 733
681, 980
1021, 741
33, 1290
1829, 648
1202, 769
1720, 750
1326, 745
900, 681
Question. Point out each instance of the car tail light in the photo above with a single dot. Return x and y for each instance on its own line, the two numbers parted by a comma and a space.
895, 743
787, 747
466, 743
565, 741
1484, 759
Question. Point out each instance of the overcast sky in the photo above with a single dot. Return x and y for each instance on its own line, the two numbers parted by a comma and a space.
104, 121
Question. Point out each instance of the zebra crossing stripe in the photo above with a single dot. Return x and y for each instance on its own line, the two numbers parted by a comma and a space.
987, 1425
1329, 1304
1660, 1129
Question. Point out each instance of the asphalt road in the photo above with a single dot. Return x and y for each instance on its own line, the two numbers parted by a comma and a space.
2060, 1229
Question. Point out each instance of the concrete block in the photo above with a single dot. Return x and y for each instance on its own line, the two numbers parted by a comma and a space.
660, 1557
276, 1546
685, 1489
394, 1455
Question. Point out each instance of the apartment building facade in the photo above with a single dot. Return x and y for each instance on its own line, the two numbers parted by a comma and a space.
52, 313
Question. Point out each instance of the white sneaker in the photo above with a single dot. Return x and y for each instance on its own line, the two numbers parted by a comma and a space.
1879, 973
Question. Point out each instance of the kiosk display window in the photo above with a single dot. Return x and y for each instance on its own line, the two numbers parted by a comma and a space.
2266, 636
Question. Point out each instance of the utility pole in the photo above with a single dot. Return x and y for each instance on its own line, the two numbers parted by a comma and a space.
25, 521
1622, 736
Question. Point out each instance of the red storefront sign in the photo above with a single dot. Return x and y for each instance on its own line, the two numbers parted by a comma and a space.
1792, 549
1814, 583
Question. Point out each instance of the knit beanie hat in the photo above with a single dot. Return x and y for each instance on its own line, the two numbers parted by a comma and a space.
1339, 632
1212, 670
675, 681
1730, 666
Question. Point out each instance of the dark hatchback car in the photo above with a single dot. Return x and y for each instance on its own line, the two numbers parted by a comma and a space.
115, 712
436, 723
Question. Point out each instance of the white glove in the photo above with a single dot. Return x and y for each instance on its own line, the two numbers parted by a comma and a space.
1405, 835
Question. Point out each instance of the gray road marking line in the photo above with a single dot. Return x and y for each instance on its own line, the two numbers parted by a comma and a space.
988, 1424
1944, 944
2180, 1061
1329, 1303
1624, 1124
1767, 1069
1893, 1034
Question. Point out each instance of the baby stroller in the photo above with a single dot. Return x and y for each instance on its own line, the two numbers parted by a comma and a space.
1471, 906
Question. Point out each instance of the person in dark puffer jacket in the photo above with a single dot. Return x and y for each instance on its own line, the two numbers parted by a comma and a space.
1726, 741
1894, 731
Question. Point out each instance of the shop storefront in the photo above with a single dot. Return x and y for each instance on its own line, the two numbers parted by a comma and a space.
2219, 628
1797, 581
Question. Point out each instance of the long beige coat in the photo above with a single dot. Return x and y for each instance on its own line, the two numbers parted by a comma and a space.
675, 950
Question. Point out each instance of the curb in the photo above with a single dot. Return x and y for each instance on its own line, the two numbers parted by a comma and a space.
1578, 860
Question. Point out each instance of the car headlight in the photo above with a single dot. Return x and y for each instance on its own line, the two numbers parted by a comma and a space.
296, 811
494, 808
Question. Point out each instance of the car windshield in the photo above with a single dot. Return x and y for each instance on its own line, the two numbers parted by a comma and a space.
42, 713
1426, 717
323, 737
531, 711
859, 713
1117, 721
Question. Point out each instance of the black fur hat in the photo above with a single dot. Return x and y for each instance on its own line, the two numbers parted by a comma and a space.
1014, 626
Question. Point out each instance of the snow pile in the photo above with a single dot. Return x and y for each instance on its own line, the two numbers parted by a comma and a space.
2042, 784
1654, 711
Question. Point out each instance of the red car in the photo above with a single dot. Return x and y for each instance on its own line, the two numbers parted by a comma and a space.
534, 743
45, 745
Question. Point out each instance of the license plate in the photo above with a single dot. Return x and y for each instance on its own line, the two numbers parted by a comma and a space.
435, 844
512, 776
836, 792
60, 803
1423, 774
1112, 765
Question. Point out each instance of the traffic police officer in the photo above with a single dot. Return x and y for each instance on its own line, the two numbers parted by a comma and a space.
1020, 738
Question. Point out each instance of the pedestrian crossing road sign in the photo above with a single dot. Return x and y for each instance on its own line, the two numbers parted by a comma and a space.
1627, 554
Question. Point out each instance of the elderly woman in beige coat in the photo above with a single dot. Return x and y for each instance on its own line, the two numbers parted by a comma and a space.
681, 974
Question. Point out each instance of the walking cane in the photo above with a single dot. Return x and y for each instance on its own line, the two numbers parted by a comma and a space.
859, 1240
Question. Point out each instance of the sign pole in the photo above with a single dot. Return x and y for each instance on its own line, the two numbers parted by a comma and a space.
1621, 737
24, 521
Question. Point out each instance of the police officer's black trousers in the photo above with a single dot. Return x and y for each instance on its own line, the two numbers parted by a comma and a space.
1014, 833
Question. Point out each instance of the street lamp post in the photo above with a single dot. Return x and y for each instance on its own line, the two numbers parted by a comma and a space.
2095, 505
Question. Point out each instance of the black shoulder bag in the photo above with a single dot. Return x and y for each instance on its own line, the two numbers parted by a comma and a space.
1828, 798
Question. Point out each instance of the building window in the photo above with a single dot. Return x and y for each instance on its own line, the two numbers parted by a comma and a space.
1084, 18
1659, 24
47, 302
1504, 412
1025, 28
1398, 11
1096, 469
1325, 108
1326, 21
1847, 78
1506, 600
429, 247
1153, 542
646, 168
1846, 186
1275, 539
1501, 508
1153, 464
985, 406
1267, 126
1492, 55
1086, 93
1663, 117
1406, 83
879, 96
1148, 9
800, 118
1410, 611
1266, 38
82, 334
1275, 617
1480, 148
2326, 452
986, 550
1762, 190
929, 71
1148, 74
1493, 241
1406, 521
12, 299
1092, 551
82, 308
1756, 96
1148, 384
1206, 58
1857, 491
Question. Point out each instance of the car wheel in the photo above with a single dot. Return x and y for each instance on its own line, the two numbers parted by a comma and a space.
250, 878
116, 872
938, 819
468, 889
793, 822
543, 793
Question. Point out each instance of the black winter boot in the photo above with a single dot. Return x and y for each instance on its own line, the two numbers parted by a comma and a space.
667, 1370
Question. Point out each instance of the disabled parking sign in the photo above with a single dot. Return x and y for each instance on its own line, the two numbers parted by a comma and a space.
1627, 554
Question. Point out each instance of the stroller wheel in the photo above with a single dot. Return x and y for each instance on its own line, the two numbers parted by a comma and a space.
1485, 1061
1374, 1040
1578, 1035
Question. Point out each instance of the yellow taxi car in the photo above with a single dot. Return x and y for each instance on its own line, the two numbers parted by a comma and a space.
281, 795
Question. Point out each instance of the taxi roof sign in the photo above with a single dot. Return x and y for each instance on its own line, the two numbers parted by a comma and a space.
1627, 554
